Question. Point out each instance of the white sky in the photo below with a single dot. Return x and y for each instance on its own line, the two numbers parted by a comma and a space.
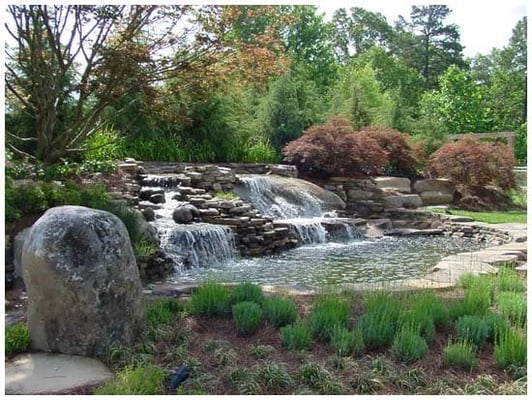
483, 24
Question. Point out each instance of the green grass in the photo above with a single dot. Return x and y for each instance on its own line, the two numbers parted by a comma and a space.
143, 379
346, 342
510, 349
247, 291
17, 338
512, 306
210, 299
460, 354
247, 316
161, 311
296, 336
494, 217
279, 311
328, 312
508, 280
473, 329
408, 345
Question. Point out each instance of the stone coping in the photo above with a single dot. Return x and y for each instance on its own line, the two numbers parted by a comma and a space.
443, 275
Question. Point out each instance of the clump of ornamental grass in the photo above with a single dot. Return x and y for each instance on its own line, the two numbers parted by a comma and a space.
473, 329
510, 349
460, 354
512, 306
210, 299
347, 342
328, 312
508, 280
247, 291
141, 379
318, 378
17, 338
279, 311
296, 336
273, 377
408, 345
497, 326
247, 316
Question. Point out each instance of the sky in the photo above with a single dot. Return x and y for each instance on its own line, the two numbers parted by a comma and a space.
483, 24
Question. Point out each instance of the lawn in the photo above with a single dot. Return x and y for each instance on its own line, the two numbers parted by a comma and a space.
494, 217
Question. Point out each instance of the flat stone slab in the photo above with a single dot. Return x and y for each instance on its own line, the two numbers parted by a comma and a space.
53, 373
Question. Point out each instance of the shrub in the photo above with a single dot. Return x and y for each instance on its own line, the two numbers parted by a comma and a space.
333, 149
427, 303
477, 298
512, 306
17, 338
473, 329
247, 291
378, 330
497, 326
210, 299
408, 345
296, 336
472, 163
160, 312
461, 354
401, 161
143, 379
420, 321
279, 311
346, 342
328, 312
510, 349
247, 316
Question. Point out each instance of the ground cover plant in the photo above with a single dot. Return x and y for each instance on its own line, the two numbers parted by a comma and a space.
325, 350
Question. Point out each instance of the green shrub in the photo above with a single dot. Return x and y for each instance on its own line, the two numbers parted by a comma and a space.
17, 338
279, 311
408, 345
427, 303
472, 329
247, 291
328, 312
346, 342
512, 306
510, 349
161, 311
420, 320
247, 316
460, 354
296, 336
210, 299
497, 326
378, 330
143, 379
103, 145
508, 280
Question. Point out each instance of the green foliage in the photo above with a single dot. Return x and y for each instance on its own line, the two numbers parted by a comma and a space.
508, 280
120, 356
247, 316
430, 304
477, 299
157, 147
472, 329
471, 163
161, 311
247, 291
273, 376
346, 342
318, 378
211, 299
261, 351
420, 321
408, 345
460, 354
143, 380
328, 312
296, 336
512, 306
17, 338
494, 217
103, 145
379, 322
510, 349
225, 195
497, 326
279, 311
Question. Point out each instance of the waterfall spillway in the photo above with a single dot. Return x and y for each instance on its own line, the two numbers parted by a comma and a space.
200, 245
298, 205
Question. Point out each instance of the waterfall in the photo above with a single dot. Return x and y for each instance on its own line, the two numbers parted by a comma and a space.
199, 245
308, 230
279, 197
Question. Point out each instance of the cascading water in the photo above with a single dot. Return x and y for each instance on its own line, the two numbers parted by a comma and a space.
299, 205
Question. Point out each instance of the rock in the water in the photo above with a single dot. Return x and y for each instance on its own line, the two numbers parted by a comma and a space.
185, 214
83, 284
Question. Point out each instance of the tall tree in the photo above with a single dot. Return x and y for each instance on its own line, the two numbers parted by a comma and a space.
427, 43
359, 31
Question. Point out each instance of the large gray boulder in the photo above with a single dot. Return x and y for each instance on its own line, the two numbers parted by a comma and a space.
393, 183
83, 284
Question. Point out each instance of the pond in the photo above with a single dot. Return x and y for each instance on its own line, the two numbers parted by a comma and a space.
336, 263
